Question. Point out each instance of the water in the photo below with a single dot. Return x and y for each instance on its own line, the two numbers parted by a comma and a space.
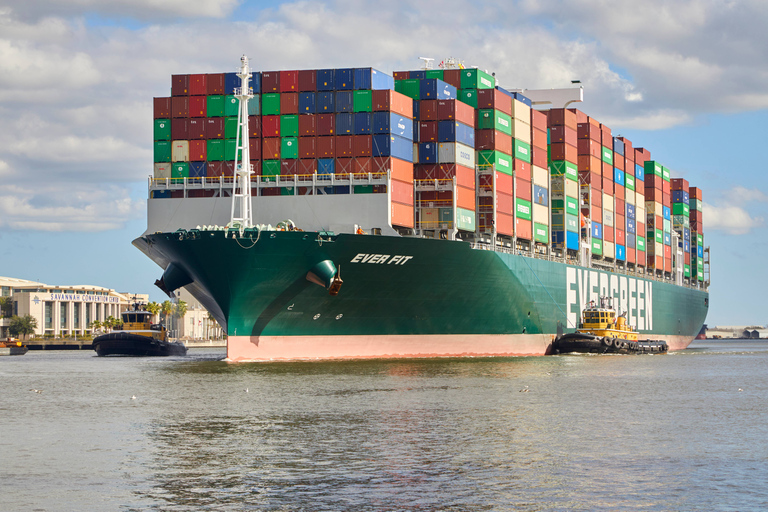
684, 431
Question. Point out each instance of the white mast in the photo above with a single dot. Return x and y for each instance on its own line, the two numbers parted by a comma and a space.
242, 216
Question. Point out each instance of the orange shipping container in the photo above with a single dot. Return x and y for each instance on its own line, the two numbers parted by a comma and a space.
590, 163
562, 117
539, 121
523, 189
465, 198
389, 100
524, 229
402, 192
401, 215
401, 170
505, 203
505, 224
539, 157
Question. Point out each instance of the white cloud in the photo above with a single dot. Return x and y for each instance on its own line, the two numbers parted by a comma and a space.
138, 9
731, 214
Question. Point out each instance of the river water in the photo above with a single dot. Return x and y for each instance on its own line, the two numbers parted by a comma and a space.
683, 431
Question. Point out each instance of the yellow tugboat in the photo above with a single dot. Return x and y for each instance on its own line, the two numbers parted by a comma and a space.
138, 337
603, 331
12, 347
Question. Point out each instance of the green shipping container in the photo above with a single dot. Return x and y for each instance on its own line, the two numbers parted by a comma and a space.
699, 239
230, 150
289, 126
640, 243
522, 151
523, 209
162, 151
502, 161
564, 168
162, 129
270, 168
230, 128
629, 181
254, 105
607, 155
488, 119
687, 270
180, 170
362, 101
270, 104
445, 214
363, 189
214, 106
681, 209
468, 96
667, 225
289, 148
652, 167
215, 150
540, 232
410, 88
659, 236
665, 173
571, 206
435, 73
465, 219
597, 246
231, 106
476, 79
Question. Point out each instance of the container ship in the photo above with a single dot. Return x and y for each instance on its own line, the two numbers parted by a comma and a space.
349, 213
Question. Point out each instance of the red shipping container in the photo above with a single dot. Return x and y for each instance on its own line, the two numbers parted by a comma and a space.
539, 138
493, 139
629, 151
679, 184
401, 192
289, 103
608, 171
307, 125
214, 83
590, 163
180, 106
254, 147
563, 134
401, 215
563, 151
539, 120
521, 169
581, 117
504, 224
618, 191
197, 128
619, 235
197, 106
270, 81
198, 150
641, 258
428, 110
465, 198
618, 161
401, 75
667, 263
215, 169
180, 129
562, 117
539, 157
161, 108
362, 145
687, 258
363, 165
590, 147
197, 85
619, 206
388, 100
426, 172
666, 191
179, 85
630, 254
326, 124
254, 126
270, 148
653, 181
605, 136
307, 80
456, 110
308, 166
504, 183
505, 203
344, 146
326, 147
270, 126
694, 193
428, 131
495, 99
453, 77
597, 196
214, 128
607, 234
524, 229
523, 189
642, 155
640, 187
465, 176
596, 214
289, 167
289, 81
608, 186
307, 147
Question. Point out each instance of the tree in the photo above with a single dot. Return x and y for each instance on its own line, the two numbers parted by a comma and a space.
109, 322
6, 307
22, 325
180, 310
154, 308
95, 325
166, 308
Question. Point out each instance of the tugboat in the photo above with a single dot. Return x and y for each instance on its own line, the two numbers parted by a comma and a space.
138, 337
603, 332
12, 347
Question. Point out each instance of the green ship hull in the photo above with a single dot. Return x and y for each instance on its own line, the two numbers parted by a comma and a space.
402, 297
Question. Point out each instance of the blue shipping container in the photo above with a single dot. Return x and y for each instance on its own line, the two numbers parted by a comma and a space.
667, 212
667, 239
415, 128
454, 131
197, 169
428, 153
345, 123
392, 145
618, 176
621, 253
686, 246
345, 79
391, 123
344, 101
631, 226
597, 230
504, 91
540, 195
416, 110
680, 196
307, 103
326, 79
369, 78
417, 75
527, 101
363, 123
639, 172
435, 89
687, 234
618, 146
326, 102
325, 166
571, 239
700, 251
630, 211
631, 242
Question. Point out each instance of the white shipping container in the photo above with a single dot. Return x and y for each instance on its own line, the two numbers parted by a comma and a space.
180, 151
540, 214
521, 111
456, 153
654, 208
607, 218
639, 213
162, 171
607, 202
429, 218
571, 188
521, 130
540, 176
609, 250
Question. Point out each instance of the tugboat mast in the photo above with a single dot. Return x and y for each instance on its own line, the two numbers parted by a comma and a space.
242, 216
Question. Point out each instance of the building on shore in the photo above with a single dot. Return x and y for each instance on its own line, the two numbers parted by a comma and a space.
737, 331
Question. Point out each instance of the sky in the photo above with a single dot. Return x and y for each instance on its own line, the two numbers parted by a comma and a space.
687, 79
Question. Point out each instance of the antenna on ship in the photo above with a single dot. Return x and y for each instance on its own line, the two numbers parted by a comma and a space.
242, 216
427, 62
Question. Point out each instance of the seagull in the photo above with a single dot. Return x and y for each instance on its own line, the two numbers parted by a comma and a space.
741, 389
133, 397
246, 390
40, 390
524, 390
